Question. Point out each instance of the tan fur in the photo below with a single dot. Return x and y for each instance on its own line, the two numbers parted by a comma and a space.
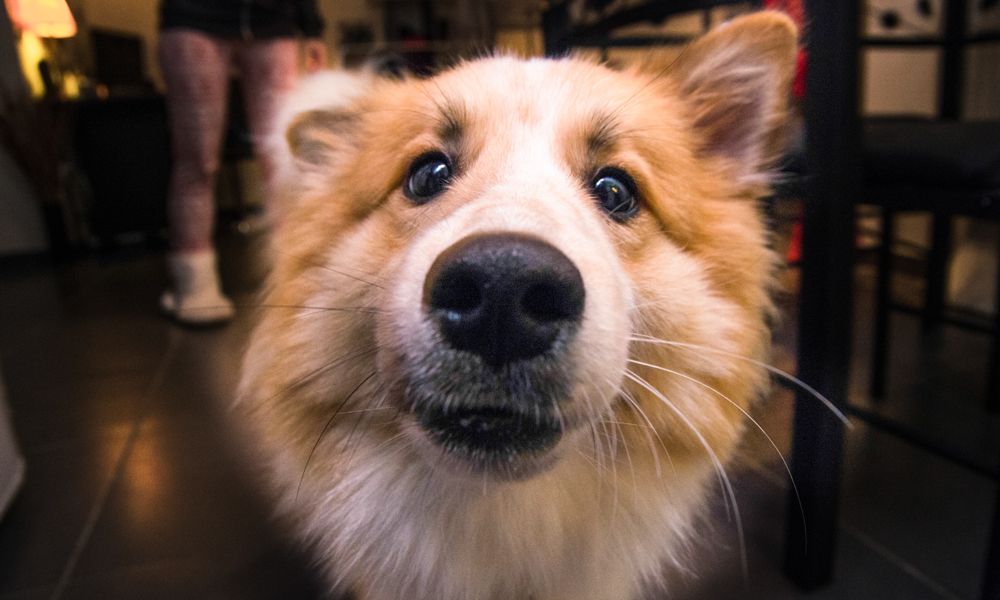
342, 314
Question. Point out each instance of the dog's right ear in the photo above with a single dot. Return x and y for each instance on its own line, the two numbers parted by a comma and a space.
319, 117
736, 81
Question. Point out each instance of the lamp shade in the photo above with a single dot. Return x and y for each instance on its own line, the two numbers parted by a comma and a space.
44, 18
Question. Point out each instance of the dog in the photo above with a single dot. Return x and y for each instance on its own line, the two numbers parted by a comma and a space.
517, 314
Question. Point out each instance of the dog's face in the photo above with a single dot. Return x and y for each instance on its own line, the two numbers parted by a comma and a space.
495, 268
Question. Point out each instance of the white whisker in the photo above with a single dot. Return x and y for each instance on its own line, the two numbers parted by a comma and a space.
652, 450
598, 454
772, 369
365, 410
389, 440
626, 424
628, 454
781, 457
589, 459
611, 445
727, 484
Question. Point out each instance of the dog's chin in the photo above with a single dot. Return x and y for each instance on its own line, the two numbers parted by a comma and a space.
500, 443
480, 465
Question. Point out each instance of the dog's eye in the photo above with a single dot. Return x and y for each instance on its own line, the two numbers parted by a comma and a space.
616, 192
428, 176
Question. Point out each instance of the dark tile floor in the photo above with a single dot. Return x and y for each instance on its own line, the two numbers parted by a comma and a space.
134, 491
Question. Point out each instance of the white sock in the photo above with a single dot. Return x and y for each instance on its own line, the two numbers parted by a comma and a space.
195, 297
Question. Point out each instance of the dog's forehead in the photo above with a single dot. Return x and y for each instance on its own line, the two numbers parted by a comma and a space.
539, 93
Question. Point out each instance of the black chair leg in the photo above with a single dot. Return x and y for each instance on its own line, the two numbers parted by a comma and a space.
883, 281
993, 377
825, 306
937, 270
991, 577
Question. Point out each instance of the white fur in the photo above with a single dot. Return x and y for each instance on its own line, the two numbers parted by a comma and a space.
421, 534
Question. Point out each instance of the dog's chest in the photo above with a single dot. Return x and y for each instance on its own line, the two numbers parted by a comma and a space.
564, 535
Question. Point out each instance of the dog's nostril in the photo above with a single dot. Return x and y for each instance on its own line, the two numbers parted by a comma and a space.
551, 302
504, 297
459, 293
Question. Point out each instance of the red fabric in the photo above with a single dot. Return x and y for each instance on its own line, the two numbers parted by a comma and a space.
799, 83
795, 10
793, 253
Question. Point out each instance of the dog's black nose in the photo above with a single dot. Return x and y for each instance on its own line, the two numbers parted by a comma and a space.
505, 297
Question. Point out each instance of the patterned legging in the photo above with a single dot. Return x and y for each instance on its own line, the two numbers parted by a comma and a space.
196, 68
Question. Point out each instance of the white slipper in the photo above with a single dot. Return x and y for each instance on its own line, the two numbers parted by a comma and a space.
195, 298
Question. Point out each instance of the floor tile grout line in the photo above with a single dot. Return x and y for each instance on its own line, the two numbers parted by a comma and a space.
901, 563
905, 566
116, 474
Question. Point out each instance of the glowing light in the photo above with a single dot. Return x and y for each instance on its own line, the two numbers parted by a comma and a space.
44, 18
31, 51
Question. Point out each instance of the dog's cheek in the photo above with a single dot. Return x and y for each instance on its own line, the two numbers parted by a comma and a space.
399, 333
322, 314
603, 340
682, 323
401, 328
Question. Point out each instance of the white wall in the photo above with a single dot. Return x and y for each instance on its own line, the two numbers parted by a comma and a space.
982, 95
899, 81
904, 81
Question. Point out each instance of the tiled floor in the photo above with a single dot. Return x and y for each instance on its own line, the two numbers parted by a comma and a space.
134, 490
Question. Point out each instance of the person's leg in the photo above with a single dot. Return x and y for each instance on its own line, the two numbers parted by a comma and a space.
269, 70
195, 68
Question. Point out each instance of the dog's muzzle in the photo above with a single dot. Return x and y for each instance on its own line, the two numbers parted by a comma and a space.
505, 308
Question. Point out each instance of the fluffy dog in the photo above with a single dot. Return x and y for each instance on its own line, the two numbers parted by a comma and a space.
504, 348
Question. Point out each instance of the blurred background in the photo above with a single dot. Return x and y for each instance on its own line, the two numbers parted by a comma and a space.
120, 479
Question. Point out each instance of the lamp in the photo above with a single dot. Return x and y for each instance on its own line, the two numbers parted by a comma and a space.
44, 18
43, 59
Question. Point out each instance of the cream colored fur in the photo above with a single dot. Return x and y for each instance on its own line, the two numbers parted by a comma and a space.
388, 515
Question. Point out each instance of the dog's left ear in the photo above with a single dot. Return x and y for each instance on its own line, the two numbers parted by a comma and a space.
736, 81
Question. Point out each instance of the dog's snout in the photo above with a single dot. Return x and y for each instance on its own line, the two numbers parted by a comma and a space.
504, 297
